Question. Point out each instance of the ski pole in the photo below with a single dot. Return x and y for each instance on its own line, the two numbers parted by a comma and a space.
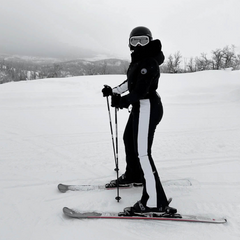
115, 150
117, 169
111, 129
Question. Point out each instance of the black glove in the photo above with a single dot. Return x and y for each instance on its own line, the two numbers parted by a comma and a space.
107, 91
116, 98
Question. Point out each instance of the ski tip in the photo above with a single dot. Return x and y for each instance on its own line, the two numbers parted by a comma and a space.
68, 212
220, 220
224, 220
62, 188
66, 209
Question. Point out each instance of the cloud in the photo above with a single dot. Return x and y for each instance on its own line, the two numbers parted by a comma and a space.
74, 28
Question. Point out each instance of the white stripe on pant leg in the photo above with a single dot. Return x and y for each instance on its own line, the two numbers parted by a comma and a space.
143, 127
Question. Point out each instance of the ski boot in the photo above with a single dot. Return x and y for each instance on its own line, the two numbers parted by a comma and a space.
140, 210
123, 182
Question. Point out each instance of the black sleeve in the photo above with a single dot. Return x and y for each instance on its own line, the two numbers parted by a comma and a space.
162, 58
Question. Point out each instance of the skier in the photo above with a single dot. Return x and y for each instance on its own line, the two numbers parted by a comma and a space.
147, 111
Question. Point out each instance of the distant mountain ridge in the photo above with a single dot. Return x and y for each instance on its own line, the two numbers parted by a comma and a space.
17, 68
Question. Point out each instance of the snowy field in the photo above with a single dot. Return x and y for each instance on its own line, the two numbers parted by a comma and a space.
57, 130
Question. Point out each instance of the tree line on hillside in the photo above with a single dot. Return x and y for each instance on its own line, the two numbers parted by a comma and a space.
220, 59
22, 70
17, 70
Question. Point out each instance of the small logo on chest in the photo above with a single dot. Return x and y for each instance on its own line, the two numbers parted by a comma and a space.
143, 71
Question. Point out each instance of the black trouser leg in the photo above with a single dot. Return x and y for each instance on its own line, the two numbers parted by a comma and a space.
133, 168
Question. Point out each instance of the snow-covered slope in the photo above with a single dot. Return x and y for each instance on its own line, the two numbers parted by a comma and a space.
57, 130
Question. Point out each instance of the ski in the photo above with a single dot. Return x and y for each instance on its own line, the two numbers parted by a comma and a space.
64, 187
88, 187
71, 213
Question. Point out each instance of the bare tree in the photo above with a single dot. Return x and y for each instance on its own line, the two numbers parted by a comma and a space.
203, 63
177, 61
191, 65
173, 63
170, 64
229, 56
237, 63
218, 57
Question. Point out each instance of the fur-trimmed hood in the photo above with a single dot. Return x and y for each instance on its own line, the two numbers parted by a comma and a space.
153, 49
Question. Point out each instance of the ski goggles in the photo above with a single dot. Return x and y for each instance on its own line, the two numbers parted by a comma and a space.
141, 40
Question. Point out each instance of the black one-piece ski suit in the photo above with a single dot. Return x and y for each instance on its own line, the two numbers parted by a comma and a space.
147, 111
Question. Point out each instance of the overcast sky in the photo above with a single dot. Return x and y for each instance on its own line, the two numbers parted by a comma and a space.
71, 28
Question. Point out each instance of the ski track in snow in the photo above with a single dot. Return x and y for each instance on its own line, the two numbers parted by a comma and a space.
57, 130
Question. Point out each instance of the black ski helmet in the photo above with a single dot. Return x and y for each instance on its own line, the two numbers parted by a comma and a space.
140, 31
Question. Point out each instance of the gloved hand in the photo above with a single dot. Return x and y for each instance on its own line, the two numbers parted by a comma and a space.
116, 98
107, 91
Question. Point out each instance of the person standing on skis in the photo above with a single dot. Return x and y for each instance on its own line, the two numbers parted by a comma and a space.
147, 111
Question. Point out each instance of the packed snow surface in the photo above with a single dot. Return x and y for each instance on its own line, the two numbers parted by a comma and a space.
57, 130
